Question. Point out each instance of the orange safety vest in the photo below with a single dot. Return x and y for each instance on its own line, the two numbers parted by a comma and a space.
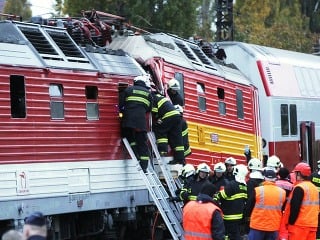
197, 217
266, 214
308, 214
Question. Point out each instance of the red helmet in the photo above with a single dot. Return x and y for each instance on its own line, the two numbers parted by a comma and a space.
303, 168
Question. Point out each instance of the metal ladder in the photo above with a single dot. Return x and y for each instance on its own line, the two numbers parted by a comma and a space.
160, 197
172, 183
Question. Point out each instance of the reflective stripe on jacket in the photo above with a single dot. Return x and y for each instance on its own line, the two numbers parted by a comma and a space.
197, 217
266, 214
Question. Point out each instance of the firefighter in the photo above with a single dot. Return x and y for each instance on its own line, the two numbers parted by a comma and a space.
187, 176
315, 179
218, 179
230, 162
265, 208
168, 128
185, 132
202, 219
173, 92
232, 200
190, 192
301, 212
135, 102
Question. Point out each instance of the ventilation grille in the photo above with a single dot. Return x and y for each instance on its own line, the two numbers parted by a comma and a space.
186, 51
38, 40
203, 58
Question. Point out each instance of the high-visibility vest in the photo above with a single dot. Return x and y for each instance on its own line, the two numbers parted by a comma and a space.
308, 213
266, 214
197, 217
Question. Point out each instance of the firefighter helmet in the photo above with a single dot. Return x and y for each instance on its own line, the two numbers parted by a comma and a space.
318, 162
188, 170
203, 167
231, 161
219, 167
240, 172
143, 78
255, 164
303, 168
273, 161
174, 84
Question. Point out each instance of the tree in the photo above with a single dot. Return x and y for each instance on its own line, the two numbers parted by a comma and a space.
19, 8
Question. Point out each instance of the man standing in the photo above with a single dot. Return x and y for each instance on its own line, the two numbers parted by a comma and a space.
35, 227
135, 102
302, 209
202, 219
265, 208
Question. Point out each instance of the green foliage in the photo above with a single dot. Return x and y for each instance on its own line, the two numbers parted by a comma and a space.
19, 8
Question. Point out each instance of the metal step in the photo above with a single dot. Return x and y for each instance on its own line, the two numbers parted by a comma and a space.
160, 197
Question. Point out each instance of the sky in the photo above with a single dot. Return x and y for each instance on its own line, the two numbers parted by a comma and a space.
41, 7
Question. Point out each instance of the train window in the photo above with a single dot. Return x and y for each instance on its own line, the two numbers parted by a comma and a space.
92, 104
56, 101
180, 78
284, 119
239, 98
221, 103
220, 92
201, 97
293, 120
17, 96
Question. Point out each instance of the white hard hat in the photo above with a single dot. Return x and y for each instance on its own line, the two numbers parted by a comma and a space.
188, 170
240, 172
219, 167
203, 167
255, 164
231, 161
273, 161
143, 78
174, 84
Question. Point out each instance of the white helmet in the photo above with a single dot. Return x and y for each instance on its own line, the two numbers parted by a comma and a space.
231, 161
174, 84
318, 162
273, 162
255, 164
143, 78
219, 167
203, 167
240, 172
188, 170
178, 108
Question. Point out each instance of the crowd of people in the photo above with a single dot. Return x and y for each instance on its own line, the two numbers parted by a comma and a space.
250, 201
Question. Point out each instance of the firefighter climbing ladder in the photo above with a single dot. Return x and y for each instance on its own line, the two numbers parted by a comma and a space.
160, 197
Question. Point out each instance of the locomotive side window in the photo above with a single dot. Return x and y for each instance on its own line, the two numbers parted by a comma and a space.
293, 120
239, 99
56, 101
201, 97
179, 77
289, 119
221, 103
17, 96
92, 103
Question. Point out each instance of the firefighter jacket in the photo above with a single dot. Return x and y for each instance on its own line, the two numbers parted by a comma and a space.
162, 108
233, 199
267, 214
219, 182
134, 102
175, 97
202, 219
303, 205
315, 179
190, 191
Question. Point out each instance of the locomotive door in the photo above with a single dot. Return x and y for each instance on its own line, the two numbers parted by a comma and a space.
307, 138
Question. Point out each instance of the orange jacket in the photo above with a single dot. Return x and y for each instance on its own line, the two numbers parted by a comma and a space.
266, 214
308, 213
197, 220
